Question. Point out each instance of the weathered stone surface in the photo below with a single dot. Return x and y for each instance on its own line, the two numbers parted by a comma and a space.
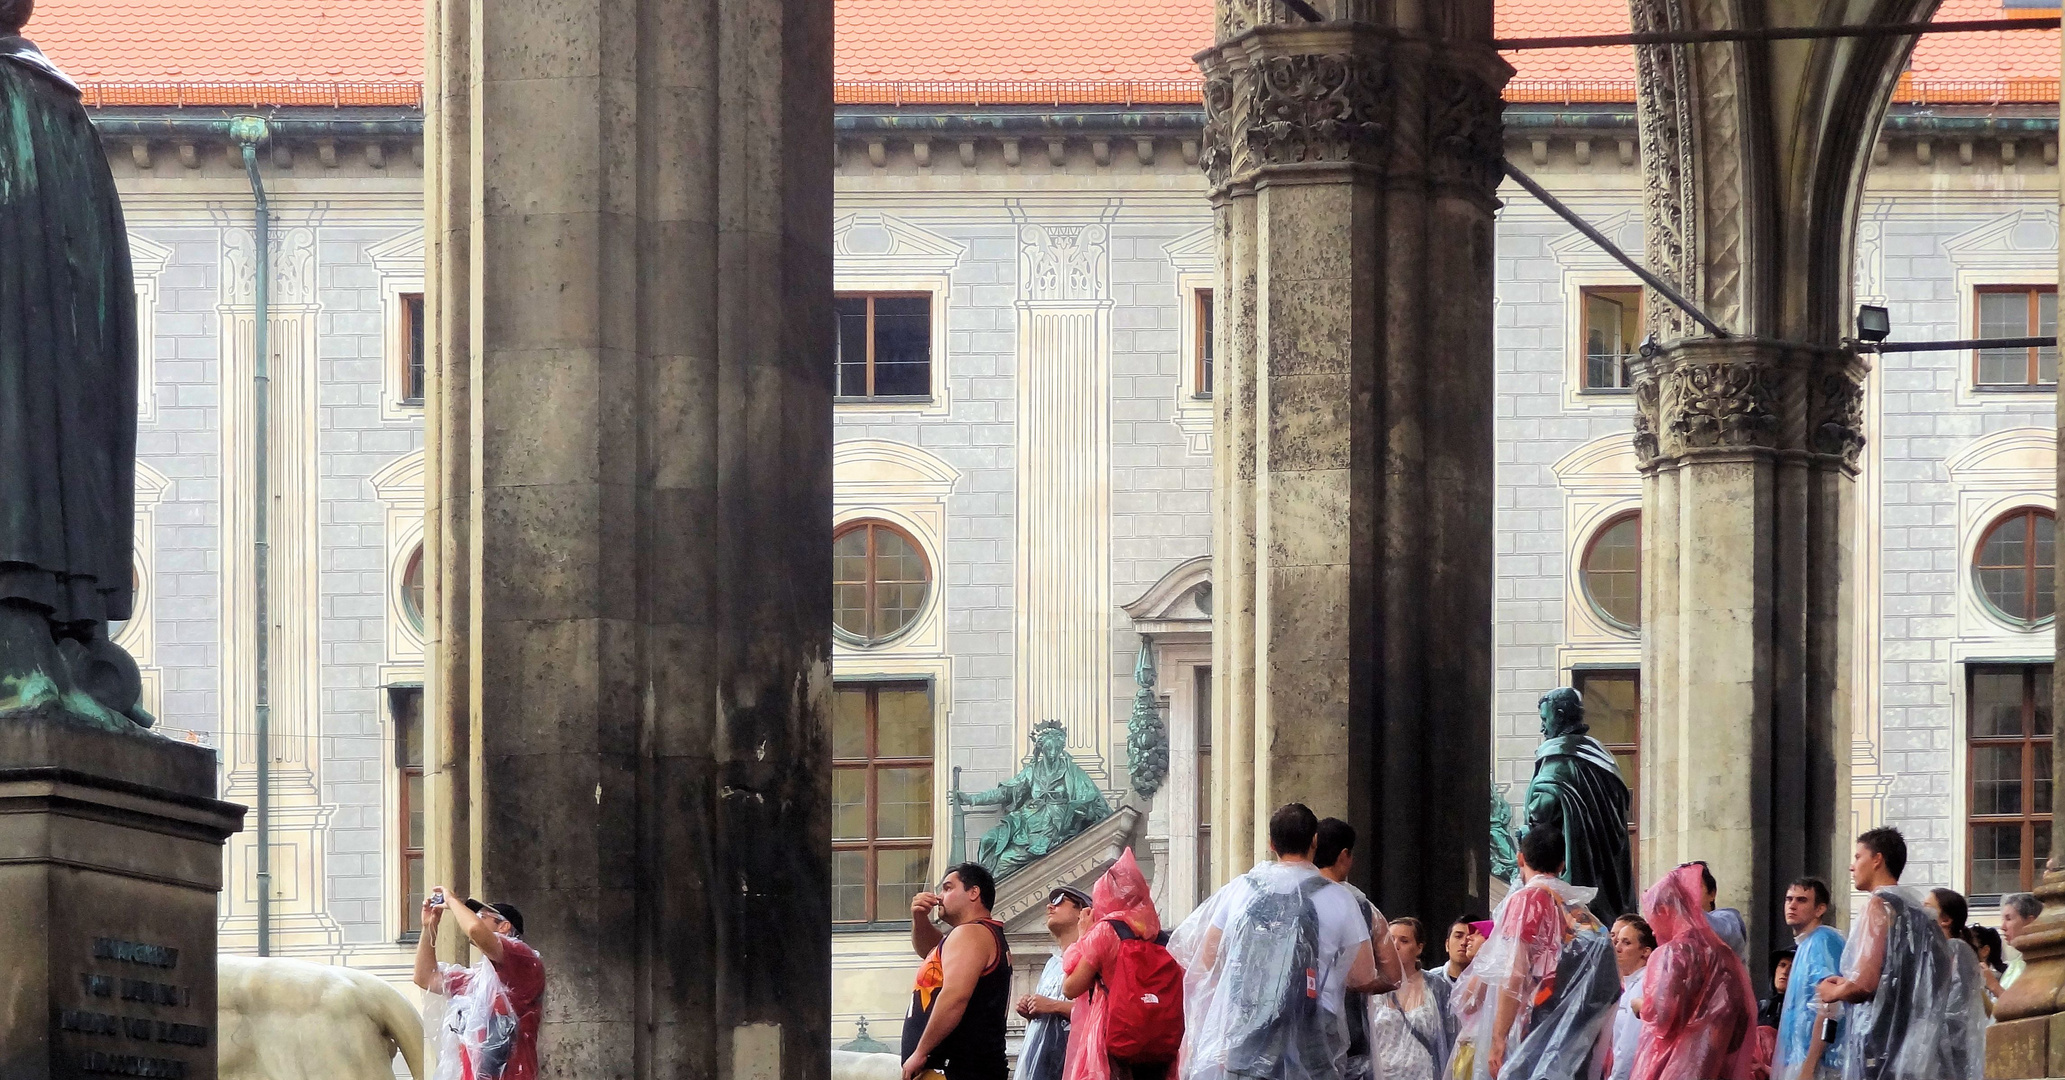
110, 862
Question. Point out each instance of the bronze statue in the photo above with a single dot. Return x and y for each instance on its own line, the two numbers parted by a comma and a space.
1578, 788
67, 401
1047, 804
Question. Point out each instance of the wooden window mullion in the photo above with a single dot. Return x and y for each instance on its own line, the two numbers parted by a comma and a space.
871, 346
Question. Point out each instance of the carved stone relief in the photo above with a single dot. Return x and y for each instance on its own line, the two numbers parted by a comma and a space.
1062, 262
1721, 404
1465, 129
1325, 107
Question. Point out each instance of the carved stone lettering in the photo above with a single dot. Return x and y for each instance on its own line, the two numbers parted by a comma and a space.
94, 1061
133, 952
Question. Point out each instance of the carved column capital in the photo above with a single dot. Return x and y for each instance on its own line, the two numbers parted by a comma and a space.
1287, 96
1466, 128
1706, 396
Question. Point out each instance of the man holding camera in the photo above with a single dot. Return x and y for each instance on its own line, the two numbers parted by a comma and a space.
492, 1009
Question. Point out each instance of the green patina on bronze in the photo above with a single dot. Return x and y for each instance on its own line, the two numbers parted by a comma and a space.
1505, 852
1048, 803
67, 401
1578, 788
1147, 737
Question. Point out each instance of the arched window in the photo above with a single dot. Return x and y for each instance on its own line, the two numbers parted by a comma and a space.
880, 580
1611, 572
2013, 566
412, 588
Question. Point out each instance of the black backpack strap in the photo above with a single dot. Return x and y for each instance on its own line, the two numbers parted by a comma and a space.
1125, 932
1162, 939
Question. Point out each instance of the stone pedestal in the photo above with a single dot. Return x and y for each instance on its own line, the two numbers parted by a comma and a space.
110, 865
1353, 166
630, 500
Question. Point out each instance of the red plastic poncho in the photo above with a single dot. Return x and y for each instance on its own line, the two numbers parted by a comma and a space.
1697, 1006
1122, 893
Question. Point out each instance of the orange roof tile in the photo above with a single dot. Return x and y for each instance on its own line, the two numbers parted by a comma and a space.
887, 51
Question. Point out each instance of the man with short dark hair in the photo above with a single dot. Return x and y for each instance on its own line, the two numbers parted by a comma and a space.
492, 1010
1334, 854
1896, 975
1286, 936
1046, 1010
1817, 954
1460, 945
955, 1026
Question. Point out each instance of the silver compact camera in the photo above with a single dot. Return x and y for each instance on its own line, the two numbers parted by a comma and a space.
437, 898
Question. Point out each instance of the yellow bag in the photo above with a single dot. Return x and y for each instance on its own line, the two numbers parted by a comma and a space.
1463, 1062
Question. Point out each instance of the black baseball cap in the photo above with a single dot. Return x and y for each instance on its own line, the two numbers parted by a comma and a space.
506, 910
1081, 898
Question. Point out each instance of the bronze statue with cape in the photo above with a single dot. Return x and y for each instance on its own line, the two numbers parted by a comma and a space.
1048, 803
68, 386
1577, 787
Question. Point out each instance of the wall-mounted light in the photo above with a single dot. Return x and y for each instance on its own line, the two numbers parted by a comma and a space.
1873, 323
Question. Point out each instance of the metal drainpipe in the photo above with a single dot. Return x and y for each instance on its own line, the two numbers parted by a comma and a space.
249, 132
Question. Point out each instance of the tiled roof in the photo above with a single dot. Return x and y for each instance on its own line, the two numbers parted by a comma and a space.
320, 52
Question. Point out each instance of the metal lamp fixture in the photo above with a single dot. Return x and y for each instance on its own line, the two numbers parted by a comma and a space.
1873, 323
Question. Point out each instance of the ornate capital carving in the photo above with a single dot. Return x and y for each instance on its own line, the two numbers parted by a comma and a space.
1836, 412
1465, 129
1324, 107
1739, 394
1714, 404
1217, 156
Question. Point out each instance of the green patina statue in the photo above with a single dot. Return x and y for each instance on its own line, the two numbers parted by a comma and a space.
67, 401
1147, 738
1047, 804
1578, 788
1505, 850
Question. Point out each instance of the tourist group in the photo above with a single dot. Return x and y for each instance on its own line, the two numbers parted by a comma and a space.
1290, 973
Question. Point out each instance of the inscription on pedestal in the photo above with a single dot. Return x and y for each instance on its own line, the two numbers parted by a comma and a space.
122, 1021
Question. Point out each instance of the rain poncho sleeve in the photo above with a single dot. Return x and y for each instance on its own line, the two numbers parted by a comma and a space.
1898, 1033
1265, 962
1815, 957
1697, 1006
1046, 1037
1122, 893
471, 1020
1516, 969
1964, 1016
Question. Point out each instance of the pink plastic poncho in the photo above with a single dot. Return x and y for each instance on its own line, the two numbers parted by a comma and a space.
1122, 893
1697, 1006
1517, 962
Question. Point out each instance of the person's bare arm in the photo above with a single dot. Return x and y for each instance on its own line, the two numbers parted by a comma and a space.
925, 937
476, 931
1505, 1009
1209, 955
1871, 958
1362, 972
1390, 973
961, 963
426, 945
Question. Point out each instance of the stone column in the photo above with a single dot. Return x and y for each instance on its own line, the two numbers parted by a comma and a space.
1749, 441
1353, 165
631, 495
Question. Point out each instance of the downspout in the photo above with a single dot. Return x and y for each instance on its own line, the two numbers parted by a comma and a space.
249, 132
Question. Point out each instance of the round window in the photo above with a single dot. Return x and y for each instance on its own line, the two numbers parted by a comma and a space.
2014, 565
880, 580
412, 588
1612, 572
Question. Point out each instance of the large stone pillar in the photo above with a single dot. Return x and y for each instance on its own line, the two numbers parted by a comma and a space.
1353, 166
631, 512
1755, 158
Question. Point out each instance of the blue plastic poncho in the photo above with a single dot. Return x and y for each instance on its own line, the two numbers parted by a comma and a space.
1816, 957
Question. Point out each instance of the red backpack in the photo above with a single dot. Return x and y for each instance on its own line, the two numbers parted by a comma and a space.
1144, 1024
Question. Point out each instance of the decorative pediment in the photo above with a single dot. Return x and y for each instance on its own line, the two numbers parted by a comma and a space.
400, 480
151, 486
876, 243
2027, 455
1022, 898
2025, 232
1606, 464
147, 257
1179, 603
1577, 250
878, 469
1194, 252
401, 256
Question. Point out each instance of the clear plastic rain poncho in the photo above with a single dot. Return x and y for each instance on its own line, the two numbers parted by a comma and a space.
1266, 961
1122, 893
1903, 1031
1965, 1020
473, 1029
1550, 963
1697, 1005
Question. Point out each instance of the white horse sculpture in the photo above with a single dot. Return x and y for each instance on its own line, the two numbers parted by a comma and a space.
280, 1019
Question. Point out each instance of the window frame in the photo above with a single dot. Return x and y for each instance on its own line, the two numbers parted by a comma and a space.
1584, 316
1584, 582
404, 806
1631, 673
1202, 314
2036, 681
2029, 567
931, 351
872, 763
856, 641
415, 351
411, 605
2033, 367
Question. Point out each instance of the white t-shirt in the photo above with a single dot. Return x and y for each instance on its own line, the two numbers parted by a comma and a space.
1627, 1027
1342, 932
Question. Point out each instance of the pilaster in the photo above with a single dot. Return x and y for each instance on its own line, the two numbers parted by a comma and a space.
1354, 164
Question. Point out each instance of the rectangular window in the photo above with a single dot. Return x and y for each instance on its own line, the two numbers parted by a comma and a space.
881, 799
2011, 311
412, 341
884, 345
1613, 709
1612, 333
405, 703
2008, 733
1204, 781
1202, 328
